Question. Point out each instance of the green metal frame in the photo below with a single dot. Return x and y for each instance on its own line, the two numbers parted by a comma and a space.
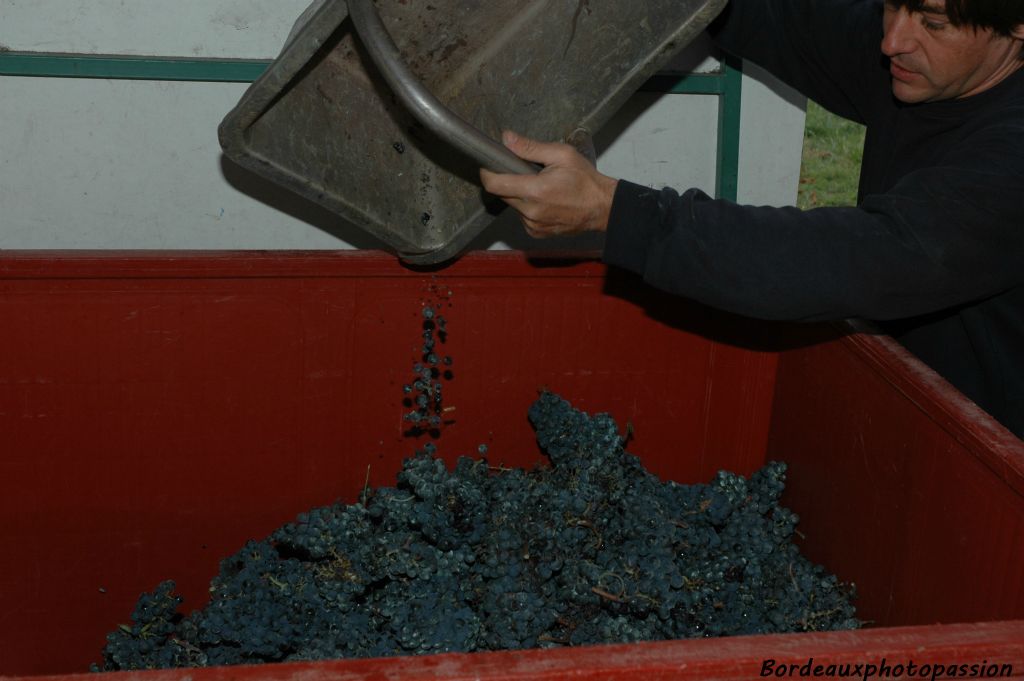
726, 84
39, 64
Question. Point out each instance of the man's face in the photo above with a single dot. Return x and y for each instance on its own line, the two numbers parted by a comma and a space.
931, 59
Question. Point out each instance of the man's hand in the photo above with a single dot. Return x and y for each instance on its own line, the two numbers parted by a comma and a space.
567, 197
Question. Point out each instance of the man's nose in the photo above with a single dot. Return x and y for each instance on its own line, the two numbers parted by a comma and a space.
898, 37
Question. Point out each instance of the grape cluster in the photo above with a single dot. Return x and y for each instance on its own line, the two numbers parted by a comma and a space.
425, 391
591, 548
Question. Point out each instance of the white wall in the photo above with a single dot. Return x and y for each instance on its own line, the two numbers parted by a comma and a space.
249, 29
130, 164
771, 139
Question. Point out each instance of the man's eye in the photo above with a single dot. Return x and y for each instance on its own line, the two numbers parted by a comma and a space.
933, 25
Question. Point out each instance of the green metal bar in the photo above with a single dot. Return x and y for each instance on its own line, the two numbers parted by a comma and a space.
40, 64
131, 68
729, 104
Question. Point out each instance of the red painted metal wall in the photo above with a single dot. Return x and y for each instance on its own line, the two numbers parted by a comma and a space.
908, 489
157, 410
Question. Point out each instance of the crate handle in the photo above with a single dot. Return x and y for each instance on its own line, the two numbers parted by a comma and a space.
423, 105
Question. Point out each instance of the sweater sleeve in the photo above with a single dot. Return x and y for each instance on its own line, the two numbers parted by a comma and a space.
943, 236
827, 49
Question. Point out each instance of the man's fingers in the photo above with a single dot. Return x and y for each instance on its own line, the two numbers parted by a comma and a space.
533, 229
545, 153
506, 186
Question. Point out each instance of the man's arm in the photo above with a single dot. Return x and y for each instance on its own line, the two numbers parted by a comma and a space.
941, 237
826, 49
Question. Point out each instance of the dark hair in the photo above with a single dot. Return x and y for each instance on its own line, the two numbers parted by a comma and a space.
1002, 16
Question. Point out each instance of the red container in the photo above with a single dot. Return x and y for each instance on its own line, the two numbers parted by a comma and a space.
158, 410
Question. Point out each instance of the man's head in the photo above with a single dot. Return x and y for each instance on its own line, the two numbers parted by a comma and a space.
945, 49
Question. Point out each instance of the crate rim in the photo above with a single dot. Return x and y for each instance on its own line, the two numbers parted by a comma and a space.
736, 657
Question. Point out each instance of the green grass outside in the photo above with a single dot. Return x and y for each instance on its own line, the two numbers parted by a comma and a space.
830, 167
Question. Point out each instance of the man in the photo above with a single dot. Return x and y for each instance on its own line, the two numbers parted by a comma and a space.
934, 250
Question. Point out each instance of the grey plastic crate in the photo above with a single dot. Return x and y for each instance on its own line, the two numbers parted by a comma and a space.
323, 122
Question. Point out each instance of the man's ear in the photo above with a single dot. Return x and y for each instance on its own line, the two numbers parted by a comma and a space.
1018, 32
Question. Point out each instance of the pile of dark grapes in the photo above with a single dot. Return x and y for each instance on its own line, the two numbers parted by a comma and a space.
588, 549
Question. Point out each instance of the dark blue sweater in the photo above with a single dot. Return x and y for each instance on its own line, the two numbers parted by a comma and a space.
934, 250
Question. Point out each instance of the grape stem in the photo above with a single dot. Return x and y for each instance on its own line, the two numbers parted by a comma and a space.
604, 594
